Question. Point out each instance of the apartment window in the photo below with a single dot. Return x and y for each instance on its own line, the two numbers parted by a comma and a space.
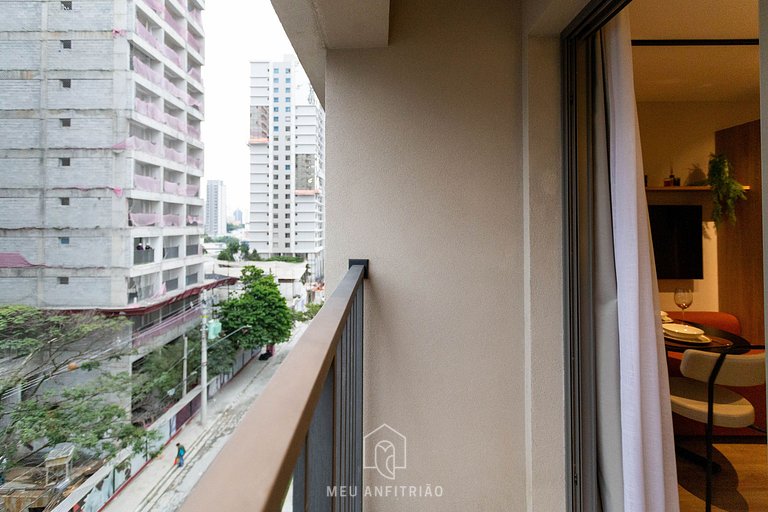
275, 147
275, 109
288, 108
276, 118
287, 246
287, 185
274, 215
64, 240
288, 147
288, 99
275, 176
287, 196
287, 119
287, 215
66, 5
287, 206
274, 186
275, 70
275, 157
275, 138
288, 89
276, 99
65, 122
287, 128
287, 138
64, 201
287, 235
288, 167
63, 280
274, 196
66, 44
275, 128
287, 70
287, 157
274, 226
66, 83
276, 80
287, 224
65, 162
288, 80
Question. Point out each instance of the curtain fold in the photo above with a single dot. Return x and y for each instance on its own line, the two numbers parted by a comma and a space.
647, 480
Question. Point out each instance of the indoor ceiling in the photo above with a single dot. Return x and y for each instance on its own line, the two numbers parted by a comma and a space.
695, 73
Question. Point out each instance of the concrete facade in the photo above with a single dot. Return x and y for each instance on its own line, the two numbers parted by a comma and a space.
100, 150
287, 165
216, 208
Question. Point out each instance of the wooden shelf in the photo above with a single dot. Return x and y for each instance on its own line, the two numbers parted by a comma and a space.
703, 188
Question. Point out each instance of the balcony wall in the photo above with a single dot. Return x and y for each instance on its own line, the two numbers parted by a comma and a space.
445, 356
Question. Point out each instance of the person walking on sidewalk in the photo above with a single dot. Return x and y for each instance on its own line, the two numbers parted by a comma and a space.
180, 453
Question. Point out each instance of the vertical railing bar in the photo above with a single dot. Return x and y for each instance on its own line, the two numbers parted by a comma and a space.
360, 302
343, 443
337, 418
346, 407
352, 401
350, 352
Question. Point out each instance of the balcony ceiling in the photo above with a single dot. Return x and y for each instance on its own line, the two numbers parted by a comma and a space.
691, 73
313, 26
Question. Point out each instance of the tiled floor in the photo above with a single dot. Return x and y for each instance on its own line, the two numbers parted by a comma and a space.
742, 485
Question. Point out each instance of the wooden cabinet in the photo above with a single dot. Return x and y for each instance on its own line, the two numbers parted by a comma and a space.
740, 245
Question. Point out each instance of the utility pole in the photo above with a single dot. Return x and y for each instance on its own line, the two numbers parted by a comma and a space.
184, 368
204, 360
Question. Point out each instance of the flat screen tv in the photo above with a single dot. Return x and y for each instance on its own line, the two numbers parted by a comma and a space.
676, 231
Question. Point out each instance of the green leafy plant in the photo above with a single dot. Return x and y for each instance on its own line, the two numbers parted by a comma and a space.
725, 189
262, 307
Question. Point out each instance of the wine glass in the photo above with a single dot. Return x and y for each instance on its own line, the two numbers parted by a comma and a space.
683, 299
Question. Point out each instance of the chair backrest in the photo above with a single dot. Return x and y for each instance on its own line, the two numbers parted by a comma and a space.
717, 319
737, 370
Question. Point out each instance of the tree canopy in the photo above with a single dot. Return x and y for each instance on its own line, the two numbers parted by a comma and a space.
260, 306
53, 387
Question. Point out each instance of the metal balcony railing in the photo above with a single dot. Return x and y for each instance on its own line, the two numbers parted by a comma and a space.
306, 425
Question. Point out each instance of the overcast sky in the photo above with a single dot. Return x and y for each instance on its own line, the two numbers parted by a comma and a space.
236, 32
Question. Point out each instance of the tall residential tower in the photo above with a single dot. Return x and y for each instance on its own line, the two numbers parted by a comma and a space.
216, 208
100, 152
287, 146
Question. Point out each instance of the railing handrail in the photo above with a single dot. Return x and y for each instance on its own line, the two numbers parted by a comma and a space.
253, 470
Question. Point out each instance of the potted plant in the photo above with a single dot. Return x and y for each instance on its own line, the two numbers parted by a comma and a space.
725, 189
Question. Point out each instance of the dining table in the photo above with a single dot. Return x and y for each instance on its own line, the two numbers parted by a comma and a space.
720, 341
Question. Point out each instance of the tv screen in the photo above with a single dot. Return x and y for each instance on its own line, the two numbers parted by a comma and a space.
676, 231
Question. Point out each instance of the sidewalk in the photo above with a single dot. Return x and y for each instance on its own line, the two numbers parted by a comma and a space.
161, 486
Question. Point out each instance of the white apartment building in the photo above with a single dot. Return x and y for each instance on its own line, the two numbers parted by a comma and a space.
216, 208
287, 165
100, 152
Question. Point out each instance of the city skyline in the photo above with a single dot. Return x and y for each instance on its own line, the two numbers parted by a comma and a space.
232, 42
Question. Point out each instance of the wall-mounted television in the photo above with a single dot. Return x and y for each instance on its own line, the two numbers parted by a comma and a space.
676, 231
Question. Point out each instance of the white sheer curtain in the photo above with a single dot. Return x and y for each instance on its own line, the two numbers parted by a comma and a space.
647, 443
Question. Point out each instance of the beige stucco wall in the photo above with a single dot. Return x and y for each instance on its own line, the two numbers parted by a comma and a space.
424, 140
446, 174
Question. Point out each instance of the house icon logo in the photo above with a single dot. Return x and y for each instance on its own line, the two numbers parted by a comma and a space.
384, 449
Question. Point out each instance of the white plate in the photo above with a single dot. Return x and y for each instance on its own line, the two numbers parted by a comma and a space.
682, 330
700, 340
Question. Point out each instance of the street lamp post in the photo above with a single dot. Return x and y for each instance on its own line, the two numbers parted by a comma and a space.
204, 367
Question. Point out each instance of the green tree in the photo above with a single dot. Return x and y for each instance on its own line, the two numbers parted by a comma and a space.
260, 306
159, 380
48, 357
309, 314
